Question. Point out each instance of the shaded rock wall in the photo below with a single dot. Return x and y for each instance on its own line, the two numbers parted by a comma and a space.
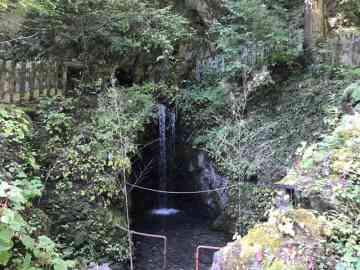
198, 173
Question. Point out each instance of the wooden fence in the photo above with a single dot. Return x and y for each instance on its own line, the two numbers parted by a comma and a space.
21, 82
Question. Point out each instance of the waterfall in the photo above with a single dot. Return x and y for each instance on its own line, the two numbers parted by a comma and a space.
172, 136
162, 160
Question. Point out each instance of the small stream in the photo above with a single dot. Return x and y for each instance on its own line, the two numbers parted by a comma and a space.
185, 231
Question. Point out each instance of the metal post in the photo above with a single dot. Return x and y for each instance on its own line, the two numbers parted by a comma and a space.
239, 206
128, 223
197, 254
163, 237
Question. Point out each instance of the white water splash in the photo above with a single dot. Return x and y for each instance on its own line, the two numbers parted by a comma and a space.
164, 211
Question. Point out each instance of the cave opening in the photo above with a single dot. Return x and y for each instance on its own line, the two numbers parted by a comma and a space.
185, 218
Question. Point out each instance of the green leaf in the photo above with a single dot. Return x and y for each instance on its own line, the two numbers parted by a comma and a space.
46, 243
6, 235
16, 196
28, 242
13, 219
4, 188
60, 264
4, 257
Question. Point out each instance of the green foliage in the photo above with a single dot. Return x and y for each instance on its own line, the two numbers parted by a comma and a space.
350, 12
253, 25
259, 20
23, 5
340, 72
14, 125
263, 143
95, 149
87, 155
255, 203
333, 167
201, 106
100, 33
20, 247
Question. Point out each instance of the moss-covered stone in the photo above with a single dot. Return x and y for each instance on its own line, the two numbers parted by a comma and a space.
289, 240
318, 177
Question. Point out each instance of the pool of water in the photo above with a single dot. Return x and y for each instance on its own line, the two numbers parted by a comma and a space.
184, 231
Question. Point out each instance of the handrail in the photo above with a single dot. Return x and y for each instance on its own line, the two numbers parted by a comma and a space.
163, 237
197, 254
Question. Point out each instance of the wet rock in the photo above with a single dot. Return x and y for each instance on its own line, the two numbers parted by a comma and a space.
205, 178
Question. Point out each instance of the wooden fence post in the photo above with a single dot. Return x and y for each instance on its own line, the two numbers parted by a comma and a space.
2, 78
22, 79
31, 80
27, 80
64, 78
47, 74
12, 81
41, 78
37, 81
17, 83
7, 82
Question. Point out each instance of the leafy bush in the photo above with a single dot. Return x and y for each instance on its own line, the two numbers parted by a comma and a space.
242, 34
350, 12
20, 246
86, 153
201, 106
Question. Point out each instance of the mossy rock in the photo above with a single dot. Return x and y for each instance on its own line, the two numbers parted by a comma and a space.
294, 234
331, 159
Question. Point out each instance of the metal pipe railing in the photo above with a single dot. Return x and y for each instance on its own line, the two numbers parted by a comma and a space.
163, 237
197, 254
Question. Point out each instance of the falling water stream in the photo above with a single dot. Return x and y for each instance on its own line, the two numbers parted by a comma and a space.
185, 229
172, 136
163, 159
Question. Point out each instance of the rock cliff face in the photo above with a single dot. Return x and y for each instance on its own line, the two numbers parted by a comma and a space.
206, 178
198, 173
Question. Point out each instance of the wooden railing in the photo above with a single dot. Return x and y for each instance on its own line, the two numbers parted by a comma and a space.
21, 82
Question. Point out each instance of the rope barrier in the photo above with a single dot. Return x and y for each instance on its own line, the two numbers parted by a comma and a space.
276, 186
180, 192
